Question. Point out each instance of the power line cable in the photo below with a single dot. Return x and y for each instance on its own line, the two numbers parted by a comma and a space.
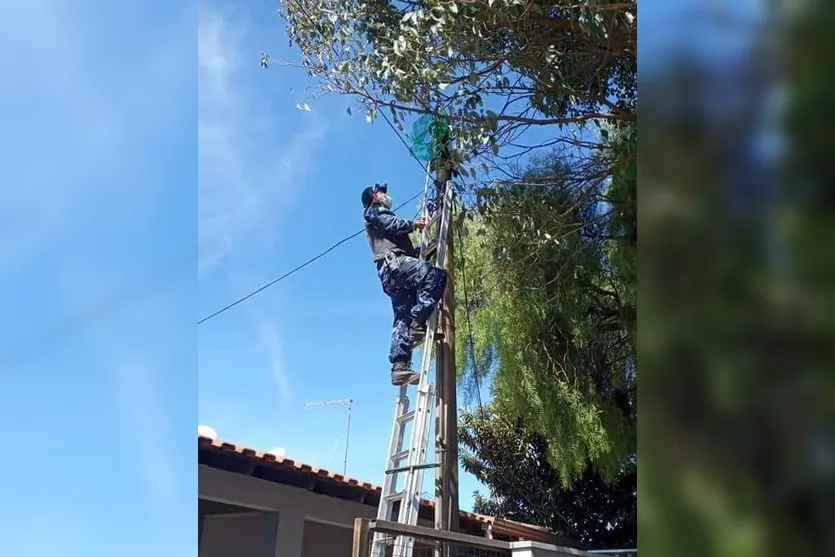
298, 267
330, 249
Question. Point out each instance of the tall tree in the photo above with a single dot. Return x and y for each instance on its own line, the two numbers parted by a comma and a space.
523, 486
546, 306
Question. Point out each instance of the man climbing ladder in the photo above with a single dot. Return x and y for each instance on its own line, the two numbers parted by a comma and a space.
414, 285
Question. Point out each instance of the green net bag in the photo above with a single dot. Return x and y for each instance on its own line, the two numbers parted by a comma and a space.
429, 135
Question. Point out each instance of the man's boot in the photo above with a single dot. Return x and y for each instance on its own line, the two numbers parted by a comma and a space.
417, 332
402, 374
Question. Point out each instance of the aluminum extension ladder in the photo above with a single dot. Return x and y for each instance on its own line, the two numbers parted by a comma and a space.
409, 463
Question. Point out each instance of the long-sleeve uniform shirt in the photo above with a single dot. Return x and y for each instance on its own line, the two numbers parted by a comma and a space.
388, 233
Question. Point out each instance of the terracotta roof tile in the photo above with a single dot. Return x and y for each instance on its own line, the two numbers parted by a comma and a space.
285, 462
518, 529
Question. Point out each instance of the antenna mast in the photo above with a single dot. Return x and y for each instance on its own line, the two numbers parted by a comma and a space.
347, 403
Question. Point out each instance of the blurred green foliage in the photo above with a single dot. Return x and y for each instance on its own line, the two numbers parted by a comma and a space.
737, 430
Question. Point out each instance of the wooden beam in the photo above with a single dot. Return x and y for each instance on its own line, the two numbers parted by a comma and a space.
440, 443
452, 538
450, 390
361, 542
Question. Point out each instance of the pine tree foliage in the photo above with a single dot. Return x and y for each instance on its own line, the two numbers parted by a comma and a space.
546, 305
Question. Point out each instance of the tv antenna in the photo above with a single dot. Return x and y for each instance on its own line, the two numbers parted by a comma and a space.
347, 403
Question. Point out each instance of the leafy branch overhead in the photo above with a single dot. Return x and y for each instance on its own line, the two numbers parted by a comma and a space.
493, 67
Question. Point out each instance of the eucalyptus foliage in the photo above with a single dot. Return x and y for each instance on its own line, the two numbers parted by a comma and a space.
493, 67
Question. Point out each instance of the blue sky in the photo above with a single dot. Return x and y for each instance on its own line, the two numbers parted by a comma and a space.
97, 372
277, 186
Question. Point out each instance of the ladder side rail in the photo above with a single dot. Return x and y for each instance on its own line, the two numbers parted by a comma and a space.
401, 406
423, 410
418, 448
404, 545
412, 508
426, 362
416, 453
418, 437
417, 457
385, 510
409, 507
424, 212
424, 444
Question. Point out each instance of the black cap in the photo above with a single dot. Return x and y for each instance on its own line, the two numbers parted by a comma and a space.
368, 193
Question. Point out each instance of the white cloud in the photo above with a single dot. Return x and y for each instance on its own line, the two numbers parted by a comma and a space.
263, 318
271, 344
246, 162
139, 400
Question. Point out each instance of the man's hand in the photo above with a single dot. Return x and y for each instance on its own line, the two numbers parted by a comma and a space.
420, 223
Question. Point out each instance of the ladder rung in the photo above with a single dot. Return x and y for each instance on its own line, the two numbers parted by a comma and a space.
408, 416
396, 496
437, 335
431, 248
413, 467
401, 455
436, 217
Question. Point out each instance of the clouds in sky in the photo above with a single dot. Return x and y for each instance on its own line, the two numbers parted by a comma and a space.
271, 344
249, 157
137, 392
93, 102
64, 132
254, 151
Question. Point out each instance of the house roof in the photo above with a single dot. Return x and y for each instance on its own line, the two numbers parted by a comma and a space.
266, 466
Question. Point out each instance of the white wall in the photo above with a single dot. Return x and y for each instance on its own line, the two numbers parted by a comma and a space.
246, 491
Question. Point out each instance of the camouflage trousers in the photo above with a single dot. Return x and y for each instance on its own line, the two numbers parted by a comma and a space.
415, 286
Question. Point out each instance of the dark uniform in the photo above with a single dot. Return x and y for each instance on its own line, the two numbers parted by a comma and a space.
414, 285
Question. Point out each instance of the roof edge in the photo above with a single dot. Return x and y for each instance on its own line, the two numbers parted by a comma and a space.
528, 532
